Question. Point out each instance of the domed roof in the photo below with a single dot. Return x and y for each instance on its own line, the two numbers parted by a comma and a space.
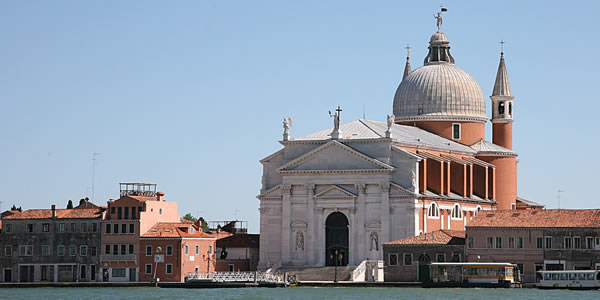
439, 91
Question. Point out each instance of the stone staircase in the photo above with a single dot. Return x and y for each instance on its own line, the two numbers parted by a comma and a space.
318, 273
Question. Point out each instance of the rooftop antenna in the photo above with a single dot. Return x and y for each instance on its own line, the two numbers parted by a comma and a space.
364, 114
94, 154
558, 197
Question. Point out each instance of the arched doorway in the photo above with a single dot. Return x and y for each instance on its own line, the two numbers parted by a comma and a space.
336, 239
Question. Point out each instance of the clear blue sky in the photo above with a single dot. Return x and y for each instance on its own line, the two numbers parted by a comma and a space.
190, 94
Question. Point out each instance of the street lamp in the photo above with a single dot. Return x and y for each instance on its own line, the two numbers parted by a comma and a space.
157, 258
337, 258
207, 259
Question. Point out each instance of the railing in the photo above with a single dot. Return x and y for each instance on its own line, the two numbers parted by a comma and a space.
360, 272
372, 267
108, 257
235, 277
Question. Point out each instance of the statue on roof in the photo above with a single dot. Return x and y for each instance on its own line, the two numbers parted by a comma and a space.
335, 134
440, 19
287, 123
390, 122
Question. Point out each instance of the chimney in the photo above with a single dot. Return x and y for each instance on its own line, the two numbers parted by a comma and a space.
160, 196
53, 211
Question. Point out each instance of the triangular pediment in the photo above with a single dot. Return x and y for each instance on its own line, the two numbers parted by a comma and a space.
334, 156
273, 192
336, 191
400, 191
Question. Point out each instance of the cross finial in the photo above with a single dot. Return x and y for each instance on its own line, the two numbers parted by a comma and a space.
407, 50
501, 46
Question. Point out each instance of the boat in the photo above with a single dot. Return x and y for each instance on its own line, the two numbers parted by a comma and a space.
570, 279
470, 274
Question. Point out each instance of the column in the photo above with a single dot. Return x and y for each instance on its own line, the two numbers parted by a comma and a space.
264, 238
361, 217
385, 213
320, 249
311, 229
285, 224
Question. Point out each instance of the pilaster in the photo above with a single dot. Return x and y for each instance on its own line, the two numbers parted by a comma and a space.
311, 230
285, 224
385, 213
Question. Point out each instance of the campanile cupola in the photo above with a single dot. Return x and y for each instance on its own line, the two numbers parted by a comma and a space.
502, 108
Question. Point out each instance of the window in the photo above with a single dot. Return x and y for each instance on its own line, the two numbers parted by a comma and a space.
210, 250
568, 243
169, 250
46, 227
45, 250
197, 249
94, 227
149, 250
131, 228
8, 250
82, 272
501, 109
124, 228
133, 212
83, 250
548, 242
116, 228
393, 259
434, 211
107, 230
84, 227
73, 250
106, 249
510, 108
539, 242
160, 211
520, 242
29, 228
112, 210
130, 249
118, 272
8, 228
169, 269
490, 242
456, 212
186, 249
115, 249
148, 269
455, 258
455, 131
119, 212
73, 227
440, 257
589, 242
140, 209
471, 242
126, 212
60, 250
477, 210
26, 250
407, 259
511, 242
123, 249
498, 242
191, 229
577, 242
93, 251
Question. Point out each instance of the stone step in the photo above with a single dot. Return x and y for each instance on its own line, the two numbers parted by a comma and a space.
319, 273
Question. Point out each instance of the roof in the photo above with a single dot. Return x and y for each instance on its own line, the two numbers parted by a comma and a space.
439, 237
546, 218
75, 213
529, 203
401, 134
241, 240
485, 148
175, 230
502, 85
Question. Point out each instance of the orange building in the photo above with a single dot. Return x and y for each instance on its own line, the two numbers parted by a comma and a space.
138, 209
170, 251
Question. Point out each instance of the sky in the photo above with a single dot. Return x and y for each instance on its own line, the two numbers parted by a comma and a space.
190, 95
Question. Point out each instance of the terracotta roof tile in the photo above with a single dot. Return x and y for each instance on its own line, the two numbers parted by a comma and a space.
240, 240
538, 218
175, 230
75, 213
439, 237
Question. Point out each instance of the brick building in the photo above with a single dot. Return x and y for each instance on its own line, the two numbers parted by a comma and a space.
551, 239
408, 259
238, 252
172, 250
53, 245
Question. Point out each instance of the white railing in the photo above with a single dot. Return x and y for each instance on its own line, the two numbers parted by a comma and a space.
107, 257
235, 277
359, 272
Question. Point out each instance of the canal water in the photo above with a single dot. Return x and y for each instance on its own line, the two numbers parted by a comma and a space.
290, 293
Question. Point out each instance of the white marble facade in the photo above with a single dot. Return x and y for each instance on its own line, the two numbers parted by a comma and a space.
371, 182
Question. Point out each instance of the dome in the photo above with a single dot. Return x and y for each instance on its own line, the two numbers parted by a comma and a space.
438, 37
439, 91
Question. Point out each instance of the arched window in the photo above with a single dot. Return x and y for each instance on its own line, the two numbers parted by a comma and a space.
434, 210
501, 108
510, 108
477, 210
456, 212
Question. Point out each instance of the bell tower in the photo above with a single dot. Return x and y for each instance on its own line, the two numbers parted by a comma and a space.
502, 108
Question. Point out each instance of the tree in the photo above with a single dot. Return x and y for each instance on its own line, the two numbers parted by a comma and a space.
14, 207
189, 217
82, 201
70, 204
204, 224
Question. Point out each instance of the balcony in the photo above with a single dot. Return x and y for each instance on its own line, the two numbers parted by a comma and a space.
108, 257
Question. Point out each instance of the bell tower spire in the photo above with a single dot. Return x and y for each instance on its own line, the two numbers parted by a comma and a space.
407, 68
502, 107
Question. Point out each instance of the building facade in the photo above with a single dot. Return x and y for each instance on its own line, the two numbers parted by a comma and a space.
551, 239
238, 252
350, 188
51, 245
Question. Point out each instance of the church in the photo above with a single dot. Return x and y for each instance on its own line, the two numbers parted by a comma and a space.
333, 197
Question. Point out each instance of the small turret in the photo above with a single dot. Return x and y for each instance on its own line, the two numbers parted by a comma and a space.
502, 108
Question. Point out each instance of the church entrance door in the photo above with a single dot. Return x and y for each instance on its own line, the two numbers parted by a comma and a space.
336, 239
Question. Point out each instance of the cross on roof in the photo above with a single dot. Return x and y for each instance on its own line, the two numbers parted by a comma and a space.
407, 50
502, 46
